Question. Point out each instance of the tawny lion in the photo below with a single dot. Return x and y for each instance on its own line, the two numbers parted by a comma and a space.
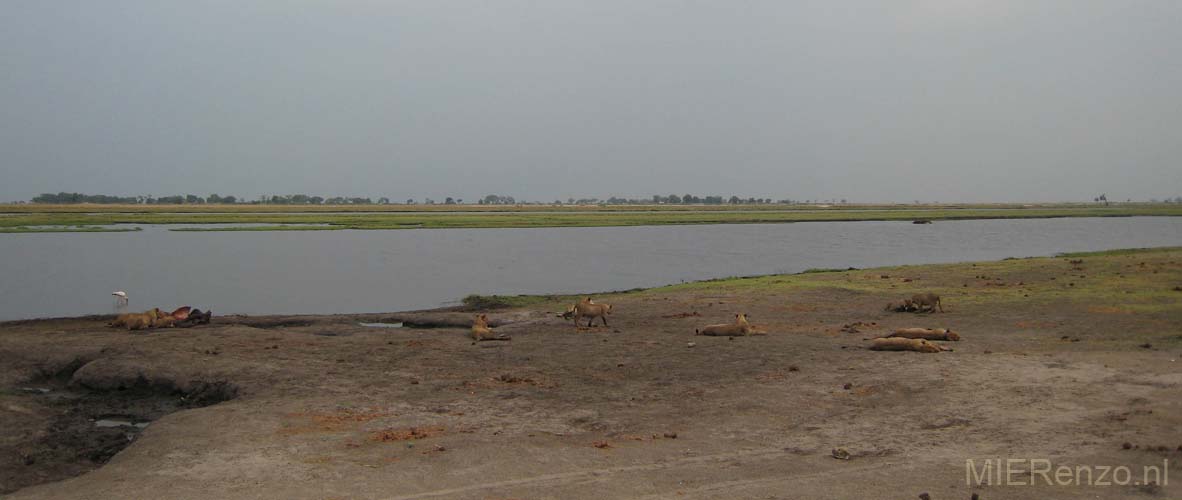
481, 331
147, 319
586, 308
925, 334
136, 321
121, 320
737, 329
929, 301
159, 318
901, 344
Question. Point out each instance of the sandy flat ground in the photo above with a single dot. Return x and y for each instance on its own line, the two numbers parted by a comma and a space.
1063, 362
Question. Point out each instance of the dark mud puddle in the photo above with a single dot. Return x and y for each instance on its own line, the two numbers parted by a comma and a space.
65, 430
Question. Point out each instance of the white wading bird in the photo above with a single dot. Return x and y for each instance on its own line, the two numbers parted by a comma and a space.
121, 297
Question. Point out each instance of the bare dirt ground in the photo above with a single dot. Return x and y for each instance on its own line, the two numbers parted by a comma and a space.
1071, 363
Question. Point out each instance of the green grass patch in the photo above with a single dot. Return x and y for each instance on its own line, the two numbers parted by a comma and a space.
1122, 251
256, 228
488, 302
1105, 282
815, 270
1113, 283
543, 216
68, 229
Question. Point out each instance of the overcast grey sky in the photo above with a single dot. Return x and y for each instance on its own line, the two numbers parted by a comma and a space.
950, 100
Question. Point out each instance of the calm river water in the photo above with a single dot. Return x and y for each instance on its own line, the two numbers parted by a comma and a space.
67, 274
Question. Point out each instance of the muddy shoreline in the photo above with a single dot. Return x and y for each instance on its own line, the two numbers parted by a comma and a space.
1067, 361
89, 417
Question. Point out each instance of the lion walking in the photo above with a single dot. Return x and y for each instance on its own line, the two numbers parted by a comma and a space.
586, 308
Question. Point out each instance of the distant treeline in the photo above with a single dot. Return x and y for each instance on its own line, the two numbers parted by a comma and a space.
687, 199
492, 199
68, 198
303, 199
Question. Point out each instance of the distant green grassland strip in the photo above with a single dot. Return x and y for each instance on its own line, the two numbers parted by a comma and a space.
395, 220
1138, 280
67, 229
257, 228
1121, 251
443, 208
1125, 281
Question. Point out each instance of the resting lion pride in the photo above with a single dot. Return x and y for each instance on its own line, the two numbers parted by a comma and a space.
183, 317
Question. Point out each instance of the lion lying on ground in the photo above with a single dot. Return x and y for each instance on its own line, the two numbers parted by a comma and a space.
155, 318
122, 320
481, 331
903, 344
737, 329
138, 321
925, 333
